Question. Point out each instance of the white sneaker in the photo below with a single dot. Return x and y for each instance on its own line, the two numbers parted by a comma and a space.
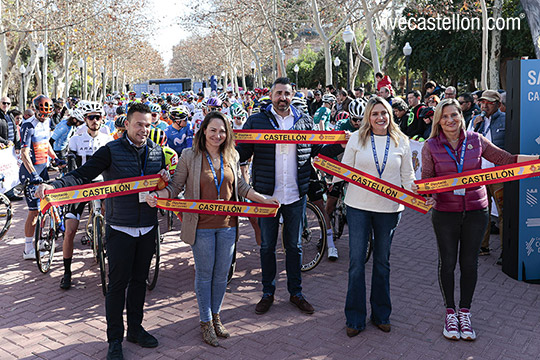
466, 330
31, 255
451, 325
332, 254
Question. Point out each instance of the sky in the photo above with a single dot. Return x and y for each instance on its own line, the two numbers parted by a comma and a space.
168, 33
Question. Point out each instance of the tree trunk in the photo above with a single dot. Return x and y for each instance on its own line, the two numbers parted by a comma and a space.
532, 9
484, 74
371, 38
244, 86
326, 42
495, 56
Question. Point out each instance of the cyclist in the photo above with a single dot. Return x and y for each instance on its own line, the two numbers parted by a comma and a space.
156, 122
35, 153
119, 124
64, 131
82, 147
110, 108
239, 116
179, 134
323, 114
165, 113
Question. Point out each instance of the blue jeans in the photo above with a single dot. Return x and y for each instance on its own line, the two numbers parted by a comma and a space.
293, 215
213, 252
360, 225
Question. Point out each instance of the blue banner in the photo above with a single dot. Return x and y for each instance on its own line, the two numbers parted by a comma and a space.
173, 88
529, 189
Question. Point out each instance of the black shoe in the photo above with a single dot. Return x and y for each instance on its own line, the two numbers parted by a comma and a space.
499, 260
484, 251
143, 338
65, 283
302, 304
264, 305
115, 350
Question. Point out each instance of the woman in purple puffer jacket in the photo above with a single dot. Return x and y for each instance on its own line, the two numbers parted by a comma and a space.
460, 217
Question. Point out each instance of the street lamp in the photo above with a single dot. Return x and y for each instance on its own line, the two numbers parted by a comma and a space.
22, 70
348, 37
337, 62
296, 69
41, 54
407, 50
55, 76
253, 66
81, 64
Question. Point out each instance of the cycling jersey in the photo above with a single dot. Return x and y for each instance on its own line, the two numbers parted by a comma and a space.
35, 135
110, 112
345, 124
322, 115
84, 146
61, 135
179, 140
197, 119
159, 125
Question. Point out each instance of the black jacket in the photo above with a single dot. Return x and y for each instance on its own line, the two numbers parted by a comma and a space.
5, 122
118, 160
264, 155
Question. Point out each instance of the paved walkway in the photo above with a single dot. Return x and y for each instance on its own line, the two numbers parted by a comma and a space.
40, 321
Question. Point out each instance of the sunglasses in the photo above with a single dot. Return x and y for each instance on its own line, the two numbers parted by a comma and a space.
154, 114
93, 117
6, 103
356, 120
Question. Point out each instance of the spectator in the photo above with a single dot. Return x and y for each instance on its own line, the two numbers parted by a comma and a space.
432, 88
17, 117
450, 92
343, 100
401, 113
316, 104
468, 107
414, 125
502, 107
9, 135
359, 93
28, 113
384, 92
433, 100
383, 80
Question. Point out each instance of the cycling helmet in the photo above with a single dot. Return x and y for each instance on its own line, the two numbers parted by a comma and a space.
300, 104
238, 112
342, 115
299, 95
179, 112
213, 102
171, 159
43, 105
132, 93
165, 107
356, 108
265, 101
426, 112
158, 136
144, 94
109, 99
222, 97
328, 98
175, 100
78, 114
120, 121
155, 108
88, 107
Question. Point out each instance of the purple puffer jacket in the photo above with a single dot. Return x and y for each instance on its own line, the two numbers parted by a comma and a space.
475, 198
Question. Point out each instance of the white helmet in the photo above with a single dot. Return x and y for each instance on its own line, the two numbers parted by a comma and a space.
328, 98
87, 107
356, 108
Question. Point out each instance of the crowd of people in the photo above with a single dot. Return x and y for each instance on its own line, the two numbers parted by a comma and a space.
188, 139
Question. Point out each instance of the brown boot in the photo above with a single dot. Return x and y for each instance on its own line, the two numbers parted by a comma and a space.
218, 326
208, 333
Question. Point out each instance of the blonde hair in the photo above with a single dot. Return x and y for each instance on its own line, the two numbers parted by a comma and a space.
436, 128
364, 132
226, 148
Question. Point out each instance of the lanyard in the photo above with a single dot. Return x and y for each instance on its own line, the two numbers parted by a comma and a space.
276, 126
485, 131
379, 169
462, 157
218, 186
145, 158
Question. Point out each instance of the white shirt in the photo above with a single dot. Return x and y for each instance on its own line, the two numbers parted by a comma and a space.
398, 171
487, 133
286, 172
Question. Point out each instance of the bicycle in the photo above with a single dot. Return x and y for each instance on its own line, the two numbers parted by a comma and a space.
49, 227
153, 272
314, 237
5, 211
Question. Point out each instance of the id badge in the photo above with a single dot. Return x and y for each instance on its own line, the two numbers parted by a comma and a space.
283, 148
460, 192
142, 196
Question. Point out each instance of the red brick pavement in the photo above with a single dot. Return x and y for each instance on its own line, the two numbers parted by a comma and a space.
40, 321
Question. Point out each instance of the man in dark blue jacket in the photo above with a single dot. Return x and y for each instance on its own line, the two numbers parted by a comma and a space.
282, 171
131, 225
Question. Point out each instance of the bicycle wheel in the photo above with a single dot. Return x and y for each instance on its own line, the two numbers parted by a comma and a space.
369, 249
101, 251
153, 273
170, 218
5, 215
45, 240
232, 269
313, 237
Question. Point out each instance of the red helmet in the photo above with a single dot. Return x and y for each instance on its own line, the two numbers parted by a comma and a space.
342, 115
43, 105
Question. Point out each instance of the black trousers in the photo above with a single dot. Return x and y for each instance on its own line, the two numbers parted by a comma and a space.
459, 233
129, 261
